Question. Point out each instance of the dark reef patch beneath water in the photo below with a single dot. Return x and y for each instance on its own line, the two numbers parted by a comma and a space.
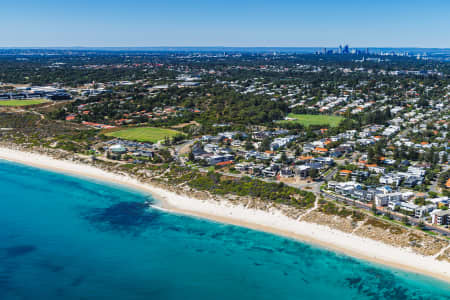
63, 237
19, 250
125, 217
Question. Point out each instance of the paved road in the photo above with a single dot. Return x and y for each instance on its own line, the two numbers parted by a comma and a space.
331, 174
394, 215
434, 186
181, 149
315, 188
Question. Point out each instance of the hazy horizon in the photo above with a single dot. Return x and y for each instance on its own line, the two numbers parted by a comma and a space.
56, 47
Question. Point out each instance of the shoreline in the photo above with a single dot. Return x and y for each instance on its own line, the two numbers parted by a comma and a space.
267, 221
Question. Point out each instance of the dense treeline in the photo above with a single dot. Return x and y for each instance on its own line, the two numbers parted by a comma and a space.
217, 104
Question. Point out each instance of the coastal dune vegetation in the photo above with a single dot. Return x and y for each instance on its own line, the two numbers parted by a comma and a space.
266, 196
216, 184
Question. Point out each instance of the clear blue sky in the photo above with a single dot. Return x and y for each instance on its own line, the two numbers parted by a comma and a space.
290, 23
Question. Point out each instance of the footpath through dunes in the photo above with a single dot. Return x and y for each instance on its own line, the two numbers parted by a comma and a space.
367, 226
347, 233
64, 237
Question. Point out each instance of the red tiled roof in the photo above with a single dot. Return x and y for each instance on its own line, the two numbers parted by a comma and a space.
305, 157
346, 171
224, 163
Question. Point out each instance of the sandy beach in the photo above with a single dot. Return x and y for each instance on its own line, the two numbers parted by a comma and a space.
273, 221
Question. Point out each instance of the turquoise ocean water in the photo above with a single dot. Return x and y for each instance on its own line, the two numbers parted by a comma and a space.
63, 237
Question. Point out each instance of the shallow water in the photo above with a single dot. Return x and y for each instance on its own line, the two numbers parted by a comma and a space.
63, 237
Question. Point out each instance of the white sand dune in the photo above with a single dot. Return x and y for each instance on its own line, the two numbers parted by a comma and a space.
273, 221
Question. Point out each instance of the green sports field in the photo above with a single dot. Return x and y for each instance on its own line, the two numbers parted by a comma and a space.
144, 134
22, 102
307, 120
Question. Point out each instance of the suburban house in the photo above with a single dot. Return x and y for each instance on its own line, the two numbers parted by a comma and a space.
302, 171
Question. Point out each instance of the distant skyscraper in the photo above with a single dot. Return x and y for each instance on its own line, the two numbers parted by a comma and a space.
340, 49
346, 50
